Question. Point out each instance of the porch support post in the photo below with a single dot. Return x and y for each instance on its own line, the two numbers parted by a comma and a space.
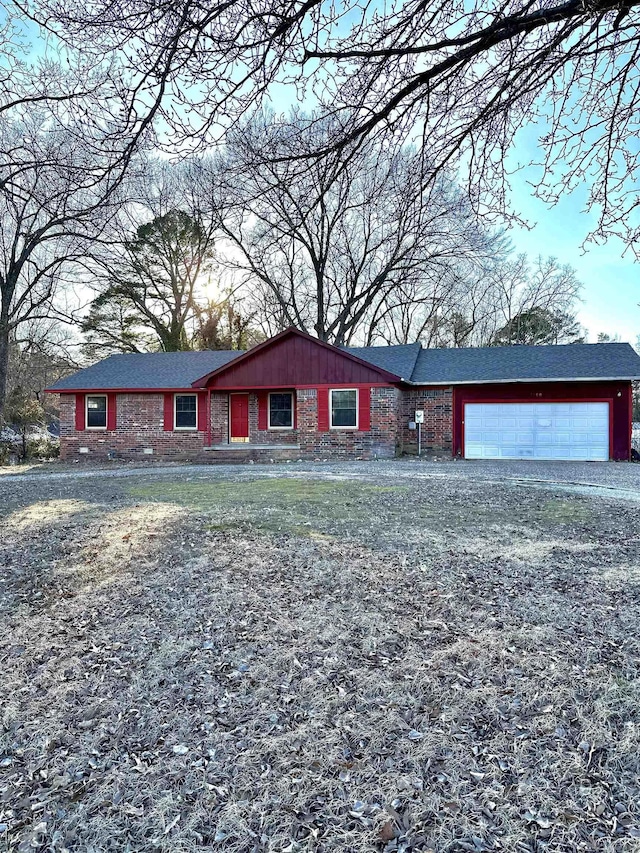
208, 437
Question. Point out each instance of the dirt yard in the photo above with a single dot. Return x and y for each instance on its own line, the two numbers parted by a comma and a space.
367, 658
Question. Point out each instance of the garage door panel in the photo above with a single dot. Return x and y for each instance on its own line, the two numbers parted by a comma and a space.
563, 438
578, 431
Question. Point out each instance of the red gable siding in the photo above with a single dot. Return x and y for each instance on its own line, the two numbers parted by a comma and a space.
293, 361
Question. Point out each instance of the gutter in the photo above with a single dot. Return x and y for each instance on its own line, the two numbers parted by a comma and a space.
93, 390
522, 381
445, 384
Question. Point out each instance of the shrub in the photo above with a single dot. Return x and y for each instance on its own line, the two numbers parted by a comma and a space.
43, 446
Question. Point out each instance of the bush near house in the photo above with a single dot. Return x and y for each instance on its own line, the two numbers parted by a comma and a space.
40, 445
25, 436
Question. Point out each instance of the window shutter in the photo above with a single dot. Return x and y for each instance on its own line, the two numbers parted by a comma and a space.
263, 402
168, 412
79, 412
323, 409
364, 409
112, 416
202, 411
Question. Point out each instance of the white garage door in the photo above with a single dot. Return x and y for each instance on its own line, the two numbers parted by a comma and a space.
536, 431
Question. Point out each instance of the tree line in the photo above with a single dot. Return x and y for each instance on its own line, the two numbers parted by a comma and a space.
362, 220
219, 251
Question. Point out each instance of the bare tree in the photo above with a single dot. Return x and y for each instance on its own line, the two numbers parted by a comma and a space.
222, 326
56, 194
516, 300
42, 352
463, 77
65, 148
25, 81
523, 289
344, 246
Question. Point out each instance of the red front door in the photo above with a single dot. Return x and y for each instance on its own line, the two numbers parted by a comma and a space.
239, 418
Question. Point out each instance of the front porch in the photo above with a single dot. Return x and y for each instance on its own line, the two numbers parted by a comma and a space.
256, 420
247, 452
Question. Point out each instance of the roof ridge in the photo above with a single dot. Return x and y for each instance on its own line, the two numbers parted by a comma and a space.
418, 347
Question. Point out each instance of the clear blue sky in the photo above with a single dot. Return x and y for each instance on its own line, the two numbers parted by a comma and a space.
611, 282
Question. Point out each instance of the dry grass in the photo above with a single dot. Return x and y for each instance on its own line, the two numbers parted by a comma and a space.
451, 671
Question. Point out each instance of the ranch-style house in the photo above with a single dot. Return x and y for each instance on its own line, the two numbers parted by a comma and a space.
295, 397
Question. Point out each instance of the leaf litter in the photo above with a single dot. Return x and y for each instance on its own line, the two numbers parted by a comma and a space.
408, 680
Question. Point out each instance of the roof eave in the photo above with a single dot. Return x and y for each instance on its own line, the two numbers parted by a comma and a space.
187, 389
526, 380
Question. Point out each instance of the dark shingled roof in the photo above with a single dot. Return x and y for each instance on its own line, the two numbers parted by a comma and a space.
523, 363
147, 370
399, 360
408, 361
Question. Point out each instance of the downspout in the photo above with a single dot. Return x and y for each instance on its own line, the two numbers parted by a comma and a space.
208, 437
630, 444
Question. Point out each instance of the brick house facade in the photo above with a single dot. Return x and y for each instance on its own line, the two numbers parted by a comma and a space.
437, 429
294, 397
140, 432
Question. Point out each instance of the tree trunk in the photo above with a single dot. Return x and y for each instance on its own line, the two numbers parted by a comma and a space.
4, 364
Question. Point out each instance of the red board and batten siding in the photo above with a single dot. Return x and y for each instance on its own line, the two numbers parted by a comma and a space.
617, 394
296, 361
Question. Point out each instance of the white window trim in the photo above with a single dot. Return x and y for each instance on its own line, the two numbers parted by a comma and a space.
331, 392
175, 426
106, 412
293, 414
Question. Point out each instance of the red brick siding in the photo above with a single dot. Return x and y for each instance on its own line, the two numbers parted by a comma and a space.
378, 441
437, 430
219, 418
268, 436
140, 426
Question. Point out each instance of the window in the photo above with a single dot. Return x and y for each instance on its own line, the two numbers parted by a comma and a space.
344, 409
186, 415
97, 412
280, 411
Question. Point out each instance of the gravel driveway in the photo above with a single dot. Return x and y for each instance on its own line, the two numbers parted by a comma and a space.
622, 479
